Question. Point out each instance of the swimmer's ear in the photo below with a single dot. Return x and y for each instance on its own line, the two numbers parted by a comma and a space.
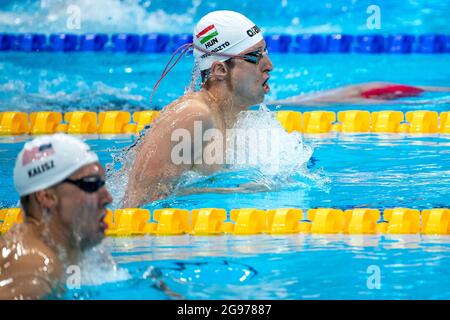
219, 70
47, 198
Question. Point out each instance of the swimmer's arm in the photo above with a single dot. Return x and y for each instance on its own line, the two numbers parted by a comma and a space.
347, 94
393, 102
313, 102
350, 94
250, 187
163, 287
434, 89
352, 101
155, 170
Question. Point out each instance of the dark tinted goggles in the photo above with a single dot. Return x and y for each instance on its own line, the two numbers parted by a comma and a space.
88, 184
254, 56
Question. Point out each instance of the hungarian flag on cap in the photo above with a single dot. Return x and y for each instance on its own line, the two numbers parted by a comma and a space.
207, 34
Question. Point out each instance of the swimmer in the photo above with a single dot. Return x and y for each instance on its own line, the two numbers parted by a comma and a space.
231, 53
63, 196
370, 93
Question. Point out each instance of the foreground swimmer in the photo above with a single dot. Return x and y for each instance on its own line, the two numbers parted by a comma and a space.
364, 93
62, 192
231, 54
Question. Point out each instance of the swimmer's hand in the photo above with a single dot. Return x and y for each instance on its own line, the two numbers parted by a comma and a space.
163, 287
155, 276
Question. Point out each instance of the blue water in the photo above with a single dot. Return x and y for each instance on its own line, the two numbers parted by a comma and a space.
279, 267
361, 170
292, 16
106, 81
345, 171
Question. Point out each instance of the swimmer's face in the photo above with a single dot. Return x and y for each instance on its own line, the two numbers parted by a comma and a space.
249, 80
84, 212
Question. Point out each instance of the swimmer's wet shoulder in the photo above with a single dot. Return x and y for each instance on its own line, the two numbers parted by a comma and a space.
155, 170
186, 115
193, 107
30, 269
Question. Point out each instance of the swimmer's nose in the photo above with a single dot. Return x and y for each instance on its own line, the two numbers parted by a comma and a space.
267, 65
106, 197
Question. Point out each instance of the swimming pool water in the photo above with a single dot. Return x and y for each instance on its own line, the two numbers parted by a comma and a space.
362, 171
373, 171
346, 171
309, 16
278, 267
106, 81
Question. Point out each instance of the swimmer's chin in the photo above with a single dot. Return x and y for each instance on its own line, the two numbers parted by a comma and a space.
260, 99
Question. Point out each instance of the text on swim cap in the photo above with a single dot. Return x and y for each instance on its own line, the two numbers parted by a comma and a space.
219, 48
211, 42
253, 31
41, 169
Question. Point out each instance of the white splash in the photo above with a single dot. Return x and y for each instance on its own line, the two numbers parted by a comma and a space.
94, 16
117, 173
98, 267
285, 153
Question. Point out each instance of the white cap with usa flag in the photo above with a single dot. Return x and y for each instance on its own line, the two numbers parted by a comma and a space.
223, 32
47, 160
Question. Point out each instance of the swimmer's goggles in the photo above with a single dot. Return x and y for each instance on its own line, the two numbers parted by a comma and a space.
253, 56
89, 184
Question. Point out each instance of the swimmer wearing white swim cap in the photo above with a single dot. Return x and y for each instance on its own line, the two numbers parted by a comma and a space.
231, 54
62, 192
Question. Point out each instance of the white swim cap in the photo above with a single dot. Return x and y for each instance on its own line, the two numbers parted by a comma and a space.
223, 31
48, 160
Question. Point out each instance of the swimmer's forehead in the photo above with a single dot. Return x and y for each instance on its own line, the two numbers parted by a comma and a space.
92, 169
260, 45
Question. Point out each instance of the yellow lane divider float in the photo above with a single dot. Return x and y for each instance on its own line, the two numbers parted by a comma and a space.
75, 122
8, 217
314, 122
252, 221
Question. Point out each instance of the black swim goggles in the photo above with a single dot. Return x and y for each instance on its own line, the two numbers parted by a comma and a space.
253, 56
88, 184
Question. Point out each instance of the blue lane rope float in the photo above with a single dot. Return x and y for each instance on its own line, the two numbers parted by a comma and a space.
277, 43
